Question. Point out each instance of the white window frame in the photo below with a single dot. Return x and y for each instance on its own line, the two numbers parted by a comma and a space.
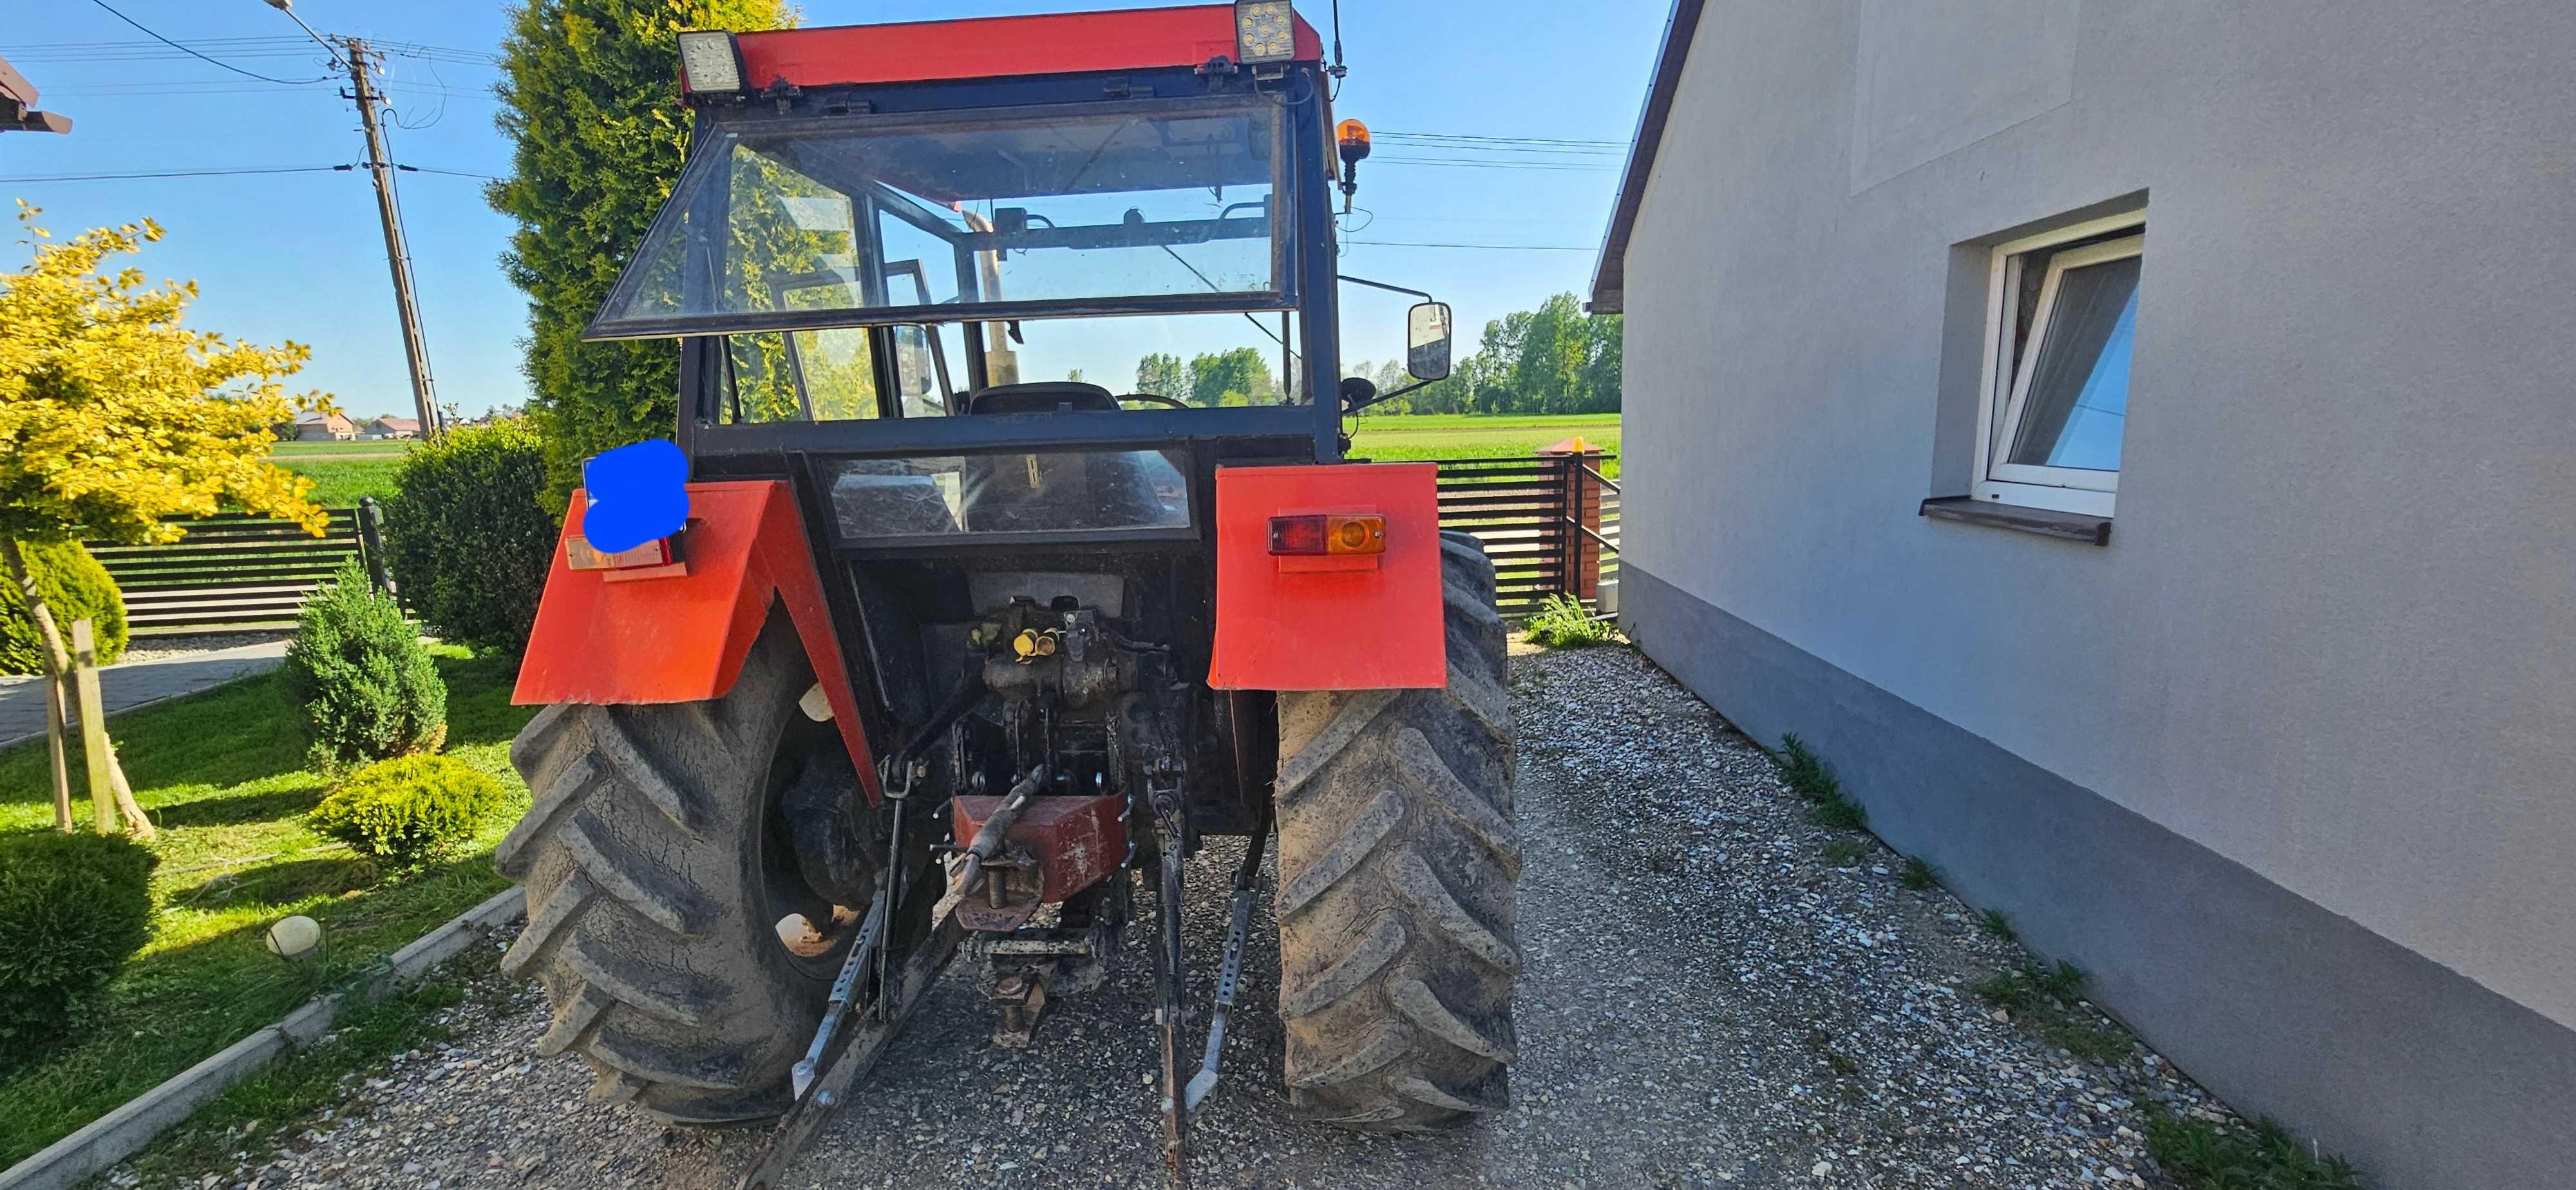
2005, 389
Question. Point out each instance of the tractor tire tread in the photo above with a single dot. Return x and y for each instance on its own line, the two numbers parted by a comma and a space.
640, 863
1397, 860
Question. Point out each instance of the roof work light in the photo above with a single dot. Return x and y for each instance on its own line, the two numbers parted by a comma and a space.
710, 62
1265, 31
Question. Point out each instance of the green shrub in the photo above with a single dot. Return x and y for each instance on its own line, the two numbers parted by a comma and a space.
469, 544
366, 684
73, 909
408, 810
76, 587
1563, 621
2203, 1156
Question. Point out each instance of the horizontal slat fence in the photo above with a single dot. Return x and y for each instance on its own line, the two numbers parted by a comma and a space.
1527, 511
236, 571
232, 571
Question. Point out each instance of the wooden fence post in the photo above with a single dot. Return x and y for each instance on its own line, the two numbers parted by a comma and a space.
55, 718
93, 725
371, 544
1580, 526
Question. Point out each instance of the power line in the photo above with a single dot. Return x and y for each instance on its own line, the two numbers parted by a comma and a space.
1518, 150
229, 171
122, 175
1484, 247
1453, 163
74, 51
220, 87
194, 54
453, 173
1500, 140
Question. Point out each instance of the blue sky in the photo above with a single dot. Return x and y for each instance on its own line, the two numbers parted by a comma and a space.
299, 256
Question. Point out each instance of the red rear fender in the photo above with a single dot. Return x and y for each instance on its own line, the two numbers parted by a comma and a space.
1365, 622
611, 637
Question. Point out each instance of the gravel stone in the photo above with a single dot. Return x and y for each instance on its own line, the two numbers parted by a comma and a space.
1708, 1002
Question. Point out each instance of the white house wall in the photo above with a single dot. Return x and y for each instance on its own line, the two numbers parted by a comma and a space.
2332, 639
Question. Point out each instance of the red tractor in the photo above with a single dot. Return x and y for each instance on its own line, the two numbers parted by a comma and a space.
950, 649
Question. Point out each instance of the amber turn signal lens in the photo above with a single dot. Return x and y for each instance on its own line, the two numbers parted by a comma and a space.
1318, 534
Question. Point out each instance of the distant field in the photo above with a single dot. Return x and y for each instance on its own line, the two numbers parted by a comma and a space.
390, 448
1461, 436
344, 471
340, 482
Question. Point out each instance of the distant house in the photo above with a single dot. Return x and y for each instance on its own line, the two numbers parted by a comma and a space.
394, 427
324, 427
2130, 444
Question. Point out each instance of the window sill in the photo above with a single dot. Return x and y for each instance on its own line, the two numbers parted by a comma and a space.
2066, 526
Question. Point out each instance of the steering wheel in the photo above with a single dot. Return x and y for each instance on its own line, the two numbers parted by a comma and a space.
1159, 400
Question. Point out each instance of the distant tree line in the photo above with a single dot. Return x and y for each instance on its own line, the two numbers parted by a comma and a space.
1554, 359
1237, 377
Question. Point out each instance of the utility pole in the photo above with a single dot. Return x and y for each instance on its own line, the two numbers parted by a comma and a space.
380, 166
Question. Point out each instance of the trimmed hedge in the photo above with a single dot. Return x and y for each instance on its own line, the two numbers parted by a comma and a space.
365, 683
74, 586
469, 543
73, 909
409, 810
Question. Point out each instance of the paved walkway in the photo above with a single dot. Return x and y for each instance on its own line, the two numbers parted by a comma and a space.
130, 684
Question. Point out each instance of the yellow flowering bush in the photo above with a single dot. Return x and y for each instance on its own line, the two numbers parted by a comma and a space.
114, 417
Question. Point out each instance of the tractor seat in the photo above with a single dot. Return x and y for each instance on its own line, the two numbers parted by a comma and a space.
1042, 397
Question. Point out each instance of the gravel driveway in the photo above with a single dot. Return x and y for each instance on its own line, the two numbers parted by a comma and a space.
1707, 1002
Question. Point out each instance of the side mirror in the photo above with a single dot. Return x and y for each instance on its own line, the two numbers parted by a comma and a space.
1426, 352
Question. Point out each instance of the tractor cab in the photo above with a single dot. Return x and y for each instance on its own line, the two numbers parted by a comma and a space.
1018, 555
880, 229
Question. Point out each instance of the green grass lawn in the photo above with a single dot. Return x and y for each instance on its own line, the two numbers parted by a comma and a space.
1411, 437
222, 774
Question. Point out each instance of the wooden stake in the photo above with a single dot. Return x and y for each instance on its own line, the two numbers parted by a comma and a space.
93, 725
54, 744
124, 791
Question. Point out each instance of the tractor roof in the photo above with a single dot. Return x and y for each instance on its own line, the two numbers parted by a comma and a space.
995, 47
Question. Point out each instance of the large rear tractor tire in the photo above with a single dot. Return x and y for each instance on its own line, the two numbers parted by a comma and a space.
657, 871
1397, 857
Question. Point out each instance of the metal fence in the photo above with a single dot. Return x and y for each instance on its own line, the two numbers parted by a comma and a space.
233, 571
1549, 522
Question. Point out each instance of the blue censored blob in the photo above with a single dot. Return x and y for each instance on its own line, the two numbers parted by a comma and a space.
637, 494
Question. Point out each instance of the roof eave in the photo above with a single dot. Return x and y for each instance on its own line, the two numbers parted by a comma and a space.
1609, 277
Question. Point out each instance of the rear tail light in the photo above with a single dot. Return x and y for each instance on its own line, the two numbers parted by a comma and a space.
1318, 534
580, 556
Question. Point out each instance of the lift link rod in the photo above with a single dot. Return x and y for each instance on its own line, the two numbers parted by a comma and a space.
862, 956
1230, 975
1168, 976
866, 1044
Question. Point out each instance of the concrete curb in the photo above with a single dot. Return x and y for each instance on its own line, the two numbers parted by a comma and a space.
119, 1134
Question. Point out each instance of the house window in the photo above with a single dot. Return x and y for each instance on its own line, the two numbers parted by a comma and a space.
2064, 320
